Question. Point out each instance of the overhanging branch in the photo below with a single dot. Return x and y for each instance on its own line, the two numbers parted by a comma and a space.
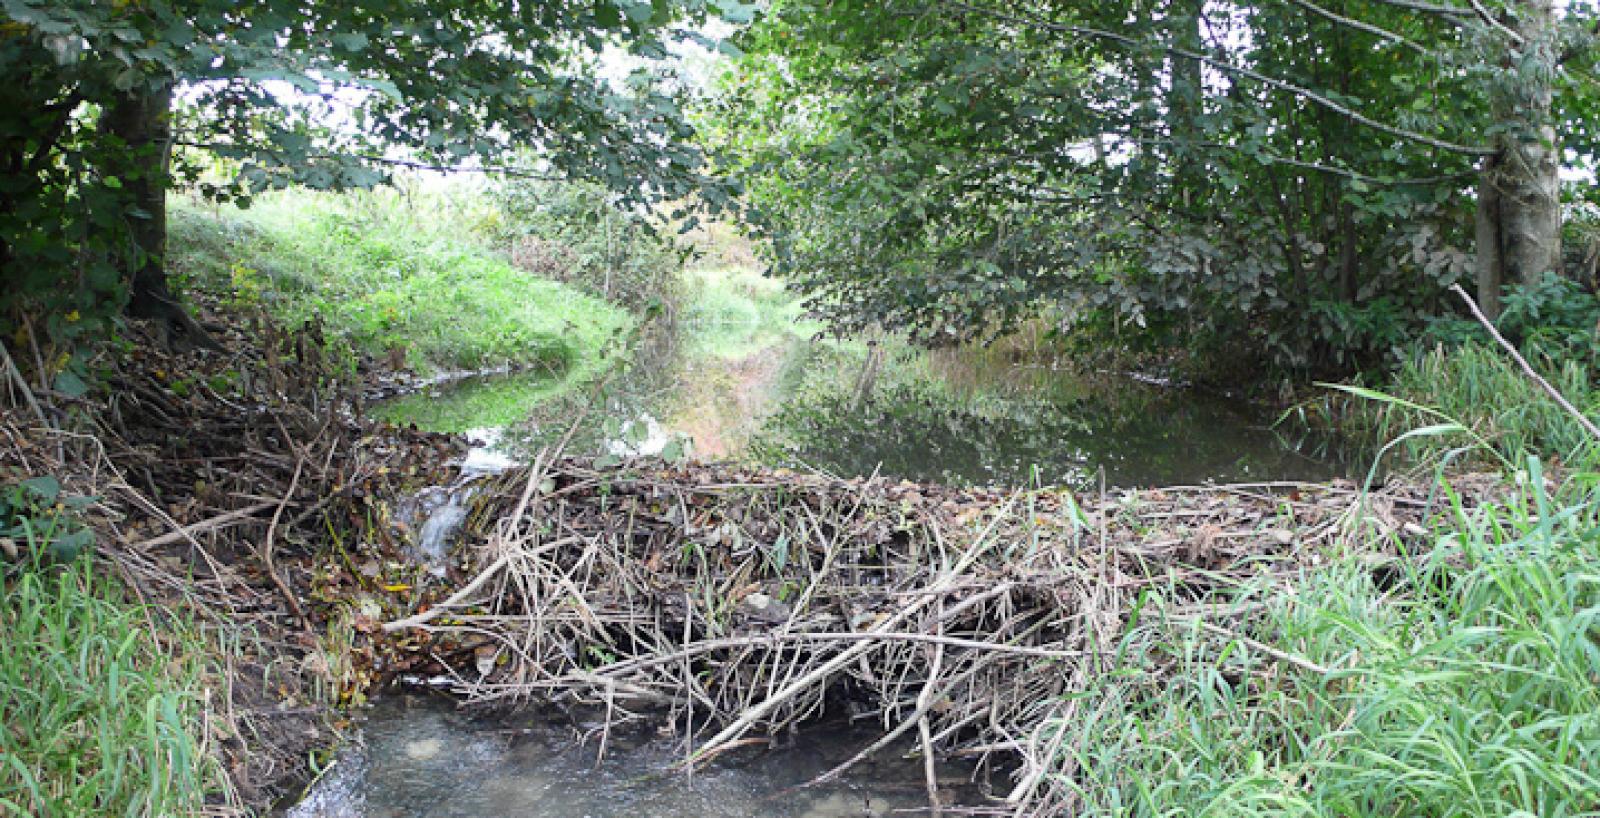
1376, 31
1240, 71
1452, 12
519, 173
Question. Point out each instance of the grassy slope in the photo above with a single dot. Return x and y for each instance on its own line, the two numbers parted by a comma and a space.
96, 716
386, 272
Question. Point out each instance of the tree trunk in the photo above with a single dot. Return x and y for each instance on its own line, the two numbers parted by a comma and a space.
1349, 254
1519, 200
1186, 99
1487, 230
143, 120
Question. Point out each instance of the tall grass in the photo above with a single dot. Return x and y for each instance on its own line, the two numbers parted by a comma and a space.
1475, 385
98, 716
1465, 681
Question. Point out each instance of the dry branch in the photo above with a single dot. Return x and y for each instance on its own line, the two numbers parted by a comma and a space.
741, 602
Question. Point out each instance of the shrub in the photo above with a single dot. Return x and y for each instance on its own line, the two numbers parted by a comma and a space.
571, 232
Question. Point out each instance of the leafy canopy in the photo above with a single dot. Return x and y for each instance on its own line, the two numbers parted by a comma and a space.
326, 94
1285, 179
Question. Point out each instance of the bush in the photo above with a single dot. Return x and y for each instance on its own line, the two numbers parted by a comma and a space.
572, 233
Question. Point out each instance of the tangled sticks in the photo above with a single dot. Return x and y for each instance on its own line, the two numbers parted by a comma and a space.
738, 603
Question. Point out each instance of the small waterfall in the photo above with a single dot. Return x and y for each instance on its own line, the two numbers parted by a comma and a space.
442, 509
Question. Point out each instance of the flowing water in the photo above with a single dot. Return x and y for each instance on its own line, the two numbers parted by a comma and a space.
420, 757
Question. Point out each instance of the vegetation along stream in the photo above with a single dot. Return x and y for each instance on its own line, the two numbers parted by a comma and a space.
800, 408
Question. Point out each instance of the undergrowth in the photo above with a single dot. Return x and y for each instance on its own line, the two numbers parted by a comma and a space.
98, 716
573, 233
1462, 680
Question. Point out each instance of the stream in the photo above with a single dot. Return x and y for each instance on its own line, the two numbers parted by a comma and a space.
772, 397
420, 757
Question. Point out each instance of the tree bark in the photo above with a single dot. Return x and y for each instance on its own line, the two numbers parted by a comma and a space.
1487, 230
1186, 99
142, 119
1519, 199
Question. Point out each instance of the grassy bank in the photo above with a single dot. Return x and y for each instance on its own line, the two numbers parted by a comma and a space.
1463, 680
98, 714
406, 277
1502, 414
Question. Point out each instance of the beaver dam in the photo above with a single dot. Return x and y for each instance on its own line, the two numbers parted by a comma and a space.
727, 607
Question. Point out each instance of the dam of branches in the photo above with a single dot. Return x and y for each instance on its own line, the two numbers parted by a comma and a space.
731, 606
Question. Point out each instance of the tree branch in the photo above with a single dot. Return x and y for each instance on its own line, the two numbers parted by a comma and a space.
1381, 33
1583, 420
1484, 15
1428, 8
1317, 166
1230, 68
51, 135
520, 173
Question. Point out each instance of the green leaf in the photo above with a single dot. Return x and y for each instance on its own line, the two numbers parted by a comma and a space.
780, 552
737, 12
68, 383
640, 13
46, 488
71, 546
674, 451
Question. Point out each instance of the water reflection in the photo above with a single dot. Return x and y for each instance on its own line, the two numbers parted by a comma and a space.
1139, 435
791, 403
